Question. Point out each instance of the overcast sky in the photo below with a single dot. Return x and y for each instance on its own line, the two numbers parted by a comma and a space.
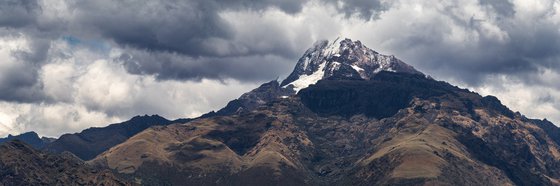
66, 65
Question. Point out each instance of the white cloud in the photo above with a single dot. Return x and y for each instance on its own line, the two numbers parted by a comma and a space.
87, 88
8, 45
57, 81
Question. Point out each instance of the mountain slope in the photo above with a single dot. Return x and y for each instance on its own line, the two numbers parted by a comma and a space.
552, 130
253, 99
22, 165
441, 135
30, 138
93, 141
389, 125
340, 59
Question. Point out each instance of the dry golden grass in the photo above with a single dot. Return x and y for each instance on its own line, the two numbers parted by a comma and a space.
153, 145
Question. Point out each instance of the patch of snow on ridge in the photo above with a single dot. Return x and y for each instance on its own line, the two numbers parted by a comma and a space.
305, 80
335, 66
305, 62
357, 68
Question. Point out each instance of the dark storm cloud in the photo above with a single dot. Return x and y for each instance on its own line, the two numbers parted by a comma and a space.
366, 9
19, 76
18, 13
170, 66
194, 31
526, 48
190, 27
188, 40
288, 6
182, 39
180, 26
502, 7
525, 53
20, 88
20, 81
191, 40
185, 27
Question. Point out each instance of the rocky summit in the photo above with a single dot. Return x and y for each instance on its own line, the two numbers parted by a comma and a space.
347, 115
342, 59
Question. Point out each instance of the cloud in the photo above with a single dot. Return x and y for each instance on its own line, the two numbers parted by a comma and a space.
174, 26
169, 66
501, 7
18, 70
365, 9
107, 87
480, 38
51, 119
206, 35
87, 88
18, 13
192, 28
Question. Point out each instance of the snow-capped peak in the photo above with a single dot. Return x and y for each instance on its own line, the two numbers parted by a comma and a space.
341, 59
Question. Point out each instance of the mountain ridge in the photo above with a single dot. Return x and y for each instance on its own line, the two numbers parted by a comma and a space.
386, 127
286, 136
31, 138
92, 141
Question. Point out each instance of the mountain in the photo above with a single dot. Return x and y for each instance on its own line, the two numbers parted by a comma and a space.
20, 164
30, 138
340, 59
345, 59
352, 117
93, 141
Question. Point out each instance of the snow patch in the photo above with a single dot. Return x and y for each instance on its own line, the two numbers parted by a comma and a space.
335, 66
305, 62
357, 68
305, 80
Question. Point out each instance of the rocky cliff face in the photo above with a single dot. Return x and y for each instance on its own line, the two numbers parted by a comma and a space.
380, 97
22, 165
